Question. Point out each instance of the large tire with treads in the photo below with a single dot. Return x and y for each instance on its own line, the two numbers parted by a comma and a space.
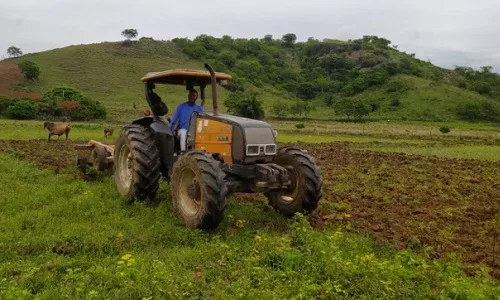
198, 190
306, 183
136, 163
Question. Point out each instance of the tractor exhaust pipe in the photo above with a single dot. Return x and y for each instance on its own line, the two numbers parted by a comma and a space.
214, 89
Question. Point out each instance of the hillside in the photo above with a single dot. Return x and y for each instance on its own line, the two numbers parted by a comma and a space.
388, 83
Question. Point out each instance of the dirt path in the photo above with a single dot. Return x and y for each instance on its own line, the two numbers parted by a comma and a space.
408, 201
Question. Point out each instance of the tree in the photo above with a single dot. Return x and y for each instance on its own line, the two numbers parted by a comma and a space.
289, 39
228, 58
301, 108
14, 51
352, 108
280, 109
306, 91
30, 70
129, 34
245, 105
268, 38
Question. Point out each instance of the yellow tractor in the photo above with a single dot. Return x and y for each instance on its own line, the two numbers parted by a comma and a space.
224, 154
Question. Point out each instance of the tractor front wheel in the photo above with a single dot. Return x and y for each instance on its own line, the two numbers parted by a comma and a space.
136, 163
306, 184
198, 190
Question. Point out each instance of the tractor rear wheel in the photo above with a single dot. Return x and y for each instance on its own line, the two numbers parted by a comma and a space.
136, 163
306, 184
198, 190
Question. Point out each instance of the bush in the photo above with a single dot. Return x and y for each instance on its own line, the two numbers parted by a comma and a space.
30, 70
22, 110
300, 125
301, 108
395, 102
280, 109
444, 129
479, 111
70, 102
352, 108
5, 102
397, 86
306, 91
244, 105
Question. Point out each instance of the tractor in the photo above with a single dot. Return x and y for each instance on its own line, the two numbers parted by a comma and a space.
224, 154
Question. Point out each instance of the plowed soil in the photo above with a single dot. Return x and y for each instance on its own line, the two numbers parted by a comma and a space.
9, 75
409, 201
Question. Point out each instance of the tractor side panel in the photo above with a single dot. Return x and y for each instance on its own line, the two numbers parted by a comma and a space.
214, 137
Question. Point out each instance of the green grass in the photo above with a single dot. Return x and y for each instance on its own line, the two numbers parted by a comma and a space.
392, 129
424, 100
82, 131
481, 143
64, 238
483, 152
316, 139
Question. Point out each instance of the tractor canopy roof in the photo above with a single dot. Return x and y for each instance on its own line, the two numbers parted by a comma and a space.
185, 77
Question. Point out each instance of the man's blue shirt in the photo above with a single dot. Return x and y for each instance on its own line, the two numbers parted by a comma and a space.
182, 114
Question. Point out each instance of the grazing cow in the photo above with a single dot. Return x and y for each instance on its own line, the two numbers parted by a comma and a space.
57, 129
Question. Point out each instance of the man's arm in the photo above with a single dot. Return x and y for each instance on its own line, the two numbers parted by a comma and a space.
174, 119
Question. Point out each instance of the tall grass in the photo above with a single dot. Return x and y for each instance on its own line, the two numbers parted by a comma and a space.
64, 238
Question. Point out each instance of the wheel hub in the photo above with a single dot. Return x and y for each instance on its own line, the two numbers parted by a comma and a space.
189, 192
194, 191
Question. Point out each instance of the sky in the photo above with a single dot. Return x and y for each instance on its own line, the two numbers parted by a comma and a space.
448, 33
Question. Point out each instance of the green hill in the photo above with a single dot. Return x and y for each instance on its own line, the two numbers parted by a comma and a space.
385, 82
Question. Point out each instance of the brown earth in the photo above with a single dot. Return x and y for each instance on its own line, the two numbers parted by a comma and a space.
408, 201
9, 75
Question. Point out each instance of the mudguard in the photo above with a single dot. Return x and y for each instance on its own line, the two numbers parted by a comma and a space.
158, 125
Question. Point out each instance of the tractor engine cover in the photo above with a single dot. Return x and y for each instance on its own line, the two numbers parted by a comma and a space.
238, 140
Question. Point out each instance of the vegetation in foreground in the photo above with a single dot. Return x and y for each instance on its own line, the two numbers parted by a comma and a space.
62, 237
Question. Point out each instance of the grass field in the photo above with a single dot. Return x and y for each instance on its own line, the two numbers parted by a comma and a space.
407, 211
64, 238
481, 141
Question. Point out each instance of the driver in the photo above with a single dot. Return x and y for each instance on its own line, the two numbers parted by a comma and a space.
182, 115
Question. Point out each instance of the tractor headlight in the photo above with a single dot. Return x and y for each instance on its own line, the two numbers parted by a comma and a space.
270, 149
262, 149
252, 149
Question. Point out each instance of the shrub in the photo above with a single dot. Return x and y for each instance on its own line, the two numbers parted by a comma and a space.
479, 111
71, 102
395, 102
444, 129
352, 108
397, 86
280, 109
30, 70
244, 105
306, 91
329, 100
300, 125
22, 110
301, 108
5, 102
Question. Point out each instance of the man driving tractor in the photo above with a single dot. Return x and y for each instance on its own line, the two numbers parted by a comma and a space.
182, 115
